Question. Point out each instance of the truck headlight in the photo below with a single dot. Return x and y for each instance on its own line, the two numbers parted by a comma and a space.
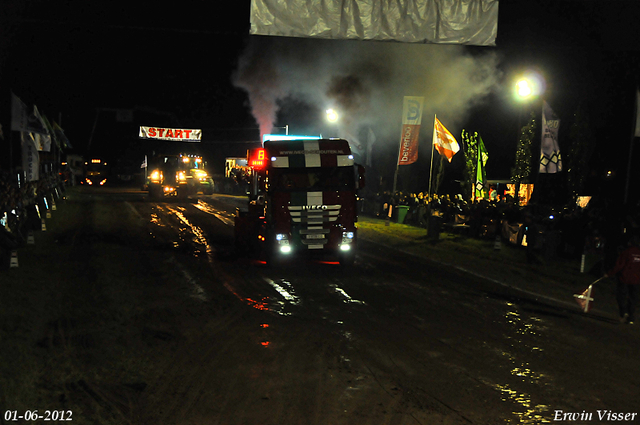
283, 243
156, 176
200, 175
347, 237
181, 176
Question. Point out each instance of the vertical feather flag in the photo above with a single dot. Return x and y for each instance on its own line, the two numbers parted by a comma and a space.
444, 141
550, 159
411, 120
481, 174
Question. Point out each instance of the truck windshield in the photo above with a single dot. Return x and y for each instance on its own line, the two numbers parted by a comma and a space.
319, 179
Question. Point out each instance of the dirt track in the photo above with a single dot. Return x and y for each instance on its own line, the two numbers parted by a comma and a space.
144, 316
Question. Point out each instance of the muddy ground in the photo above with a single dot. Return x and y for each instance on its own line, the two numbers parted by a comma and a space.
132, 312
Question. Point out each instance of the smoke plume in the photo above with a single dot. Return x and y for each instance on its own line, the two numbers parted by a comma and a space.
364, 80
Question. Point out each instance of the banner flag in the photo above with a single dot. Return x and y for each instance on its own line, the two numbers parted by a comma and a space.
51, 136
19, 114
171, 134
22, 120
30, 156
444, 141
481, 174
411, 120
144, 163
36, 123
59, 132
550, 159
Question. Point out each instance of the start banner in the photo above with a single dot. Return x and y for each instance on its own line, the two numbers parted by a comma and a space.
171, 134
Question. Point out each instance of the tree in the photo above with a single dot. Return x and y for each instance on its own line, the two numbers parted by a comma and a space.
470, 151
522, 168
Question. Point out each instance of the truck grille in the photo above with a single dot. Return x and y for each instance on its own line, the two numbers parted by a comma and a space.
312, 219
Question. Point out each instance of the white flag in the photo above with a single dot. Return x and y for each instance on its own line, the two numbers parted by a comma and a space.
19, 114
550, 159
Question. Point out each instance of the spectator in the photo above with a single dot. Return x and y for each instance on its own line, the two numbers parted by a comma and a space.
627, 272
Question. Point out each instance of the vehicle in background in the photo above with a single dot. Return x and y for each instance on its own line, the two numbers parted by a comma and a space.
73, 169
302, 200
96, 172
179, 175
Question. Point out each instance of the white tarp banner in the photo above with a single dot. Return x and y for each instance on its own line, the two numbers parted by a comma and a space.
171, 134
473, 22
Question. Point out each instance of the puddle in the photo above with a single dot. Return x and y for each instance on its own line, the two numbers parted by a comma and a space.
285, 289
345, 297
225, 217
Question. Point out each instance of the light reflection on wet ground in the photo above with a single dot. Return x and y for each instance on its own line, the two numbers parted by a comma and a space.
523, 332
226, 217
197, 237
347, 297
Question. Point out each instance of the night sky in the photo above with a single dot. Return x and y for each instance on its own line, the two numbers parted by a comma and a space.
174, 64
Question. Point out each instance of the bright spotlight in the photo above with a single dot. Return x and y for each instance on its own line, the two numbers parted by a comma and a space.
531, 84
332, 115
523, 88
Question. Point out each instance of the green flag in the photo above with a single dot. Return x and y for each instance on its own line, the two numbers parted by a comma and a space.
481, 175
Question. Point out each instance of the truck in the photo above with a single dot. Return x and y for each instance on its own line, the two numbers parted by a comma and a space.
180, 175
302, 201
96, 172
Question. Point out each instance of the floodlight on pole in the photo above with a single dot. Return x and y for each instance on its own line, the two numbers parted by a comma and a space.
523, 88
530, 85
332, 115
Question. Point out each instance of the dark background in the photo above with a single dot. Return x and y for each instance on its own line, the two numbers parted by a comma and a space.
173, 66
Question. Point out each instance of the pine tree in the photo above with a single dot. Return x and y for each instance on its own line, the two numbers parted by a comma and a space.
522, 169
470, 151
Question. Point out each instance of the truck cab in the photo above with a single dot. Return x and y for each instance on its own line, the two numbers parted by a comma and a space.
302, 201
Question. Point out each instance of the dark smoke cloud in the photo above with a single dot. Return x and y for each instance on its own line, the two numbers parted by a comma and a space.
365, 81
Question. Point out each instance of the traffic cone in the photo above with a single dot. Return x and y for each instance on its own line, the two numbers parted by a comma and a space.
30, 239
48, 214
14, 259
53, 205
44, 226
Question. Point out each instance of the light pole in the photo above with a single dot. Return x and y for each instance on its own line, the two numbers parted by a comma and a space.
526, 89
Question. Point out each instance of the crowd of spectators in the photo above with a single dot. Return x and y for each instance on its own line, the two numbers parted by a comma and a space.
596, 231
21, 207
